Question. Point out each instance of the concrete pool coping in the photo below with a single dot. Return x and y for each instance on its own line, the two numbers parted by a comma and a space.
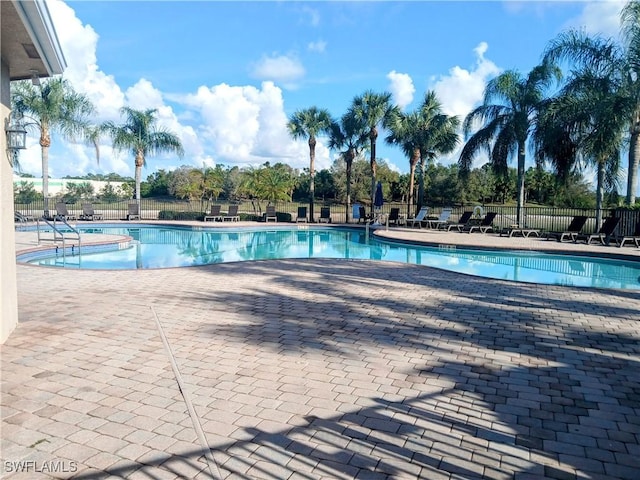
304, 369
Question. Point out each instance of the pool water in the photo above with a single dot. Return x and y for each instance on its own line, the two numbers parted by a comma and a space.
164, 247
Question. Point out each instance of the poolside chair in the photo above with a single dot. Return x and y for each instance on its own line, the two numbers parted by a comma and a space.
394, 217
302, 215
572, 231
420, 218
22, 218
462, 222
515, 230
133, 212
62, 213
270, 214
214, 214
634, 237
325, 215
484, 226
364, 217
604, 234
232, 214
442, 219
88, 213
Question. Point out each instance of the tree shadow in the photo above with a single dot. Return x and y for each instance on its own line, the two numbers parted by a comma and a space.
546, 392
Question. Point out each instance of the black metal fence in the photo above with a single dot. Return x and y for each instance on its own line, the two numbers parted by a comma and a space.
543, 218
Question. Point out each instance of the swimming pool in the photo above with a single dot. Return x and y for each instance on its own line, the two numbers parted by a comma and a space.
169, 246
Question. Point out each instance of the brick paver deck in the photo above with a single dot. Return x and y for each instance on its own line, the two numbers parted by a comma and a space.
309, 369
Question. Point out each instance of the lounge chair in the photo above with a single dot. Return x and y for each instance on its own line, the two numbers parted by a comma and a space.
22, 218
214, 214
462, 222
442, 219
302, 215
133, 211
572, 231
394, 217
635, 237
515, 230
325, 215
604, 234
363, 217
232, 214
420, 218
88, 213
270, 214
62, 213
484, 226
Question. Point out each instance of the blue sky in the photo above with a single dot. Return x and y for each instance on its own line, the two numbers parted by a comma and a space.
225, 76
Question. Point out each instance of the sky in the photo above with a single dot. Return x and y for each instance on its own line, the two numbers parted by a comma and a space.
226, 76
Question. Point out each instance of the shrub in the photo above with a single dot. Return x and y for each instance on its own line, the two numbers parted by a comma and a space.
173, 215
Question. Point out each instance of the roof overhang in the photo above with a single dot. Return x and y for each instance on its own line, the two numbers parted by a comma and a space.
29, 43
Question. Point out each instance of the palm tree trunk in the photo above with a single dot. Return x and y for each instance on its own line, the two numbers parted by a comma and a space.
349, 161
599, 194
634, 164
45, 180
520, 192
139, 164
312, 186
412, 175
45, 143
372, 137
421, 180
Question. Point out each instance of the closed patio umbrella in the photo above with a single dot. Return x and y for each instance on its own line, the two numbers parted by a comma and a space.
378, 199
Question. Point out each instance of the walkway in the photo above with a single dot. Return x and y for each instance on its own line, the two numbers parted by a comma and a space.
309, 369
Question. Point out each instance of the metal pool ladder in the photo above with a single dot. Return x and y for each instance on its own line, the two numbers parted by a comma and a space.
59, 235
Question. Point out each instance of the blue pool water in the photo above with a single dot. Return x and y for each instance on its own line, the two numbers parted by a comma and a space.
163, 247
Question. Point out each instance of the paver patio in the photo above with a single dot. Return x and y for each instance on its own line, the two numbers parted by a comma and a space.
306, 369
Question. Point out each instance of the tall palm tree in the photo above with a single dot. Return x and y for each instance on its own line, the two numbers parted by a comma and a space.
350, 136
423, 135
140, 135
375, 110
507, 123
405, 131
592, 123
622, 61
310, 123
53, 106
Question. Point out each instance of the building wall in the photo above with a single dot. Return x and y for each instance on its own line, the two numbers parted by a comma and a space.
58, 186
8, 287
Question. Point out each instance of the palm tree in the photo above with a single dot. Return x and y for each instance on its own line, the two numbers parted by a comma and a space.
349, 134
507, 123
423, 135
623, 63
53, 106
309, 123
374, 109
588, 122
140, 135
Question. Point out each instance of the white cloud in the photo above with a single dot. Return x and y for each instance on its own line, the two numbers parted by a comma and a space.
401, 88
601, 17
282, 69
313, 16
461, 90
318, 47
244, 125
79, 43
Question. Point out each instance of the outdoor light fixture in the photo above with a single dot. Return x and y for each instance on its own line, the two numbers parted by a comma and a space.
35, 78
16, 136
